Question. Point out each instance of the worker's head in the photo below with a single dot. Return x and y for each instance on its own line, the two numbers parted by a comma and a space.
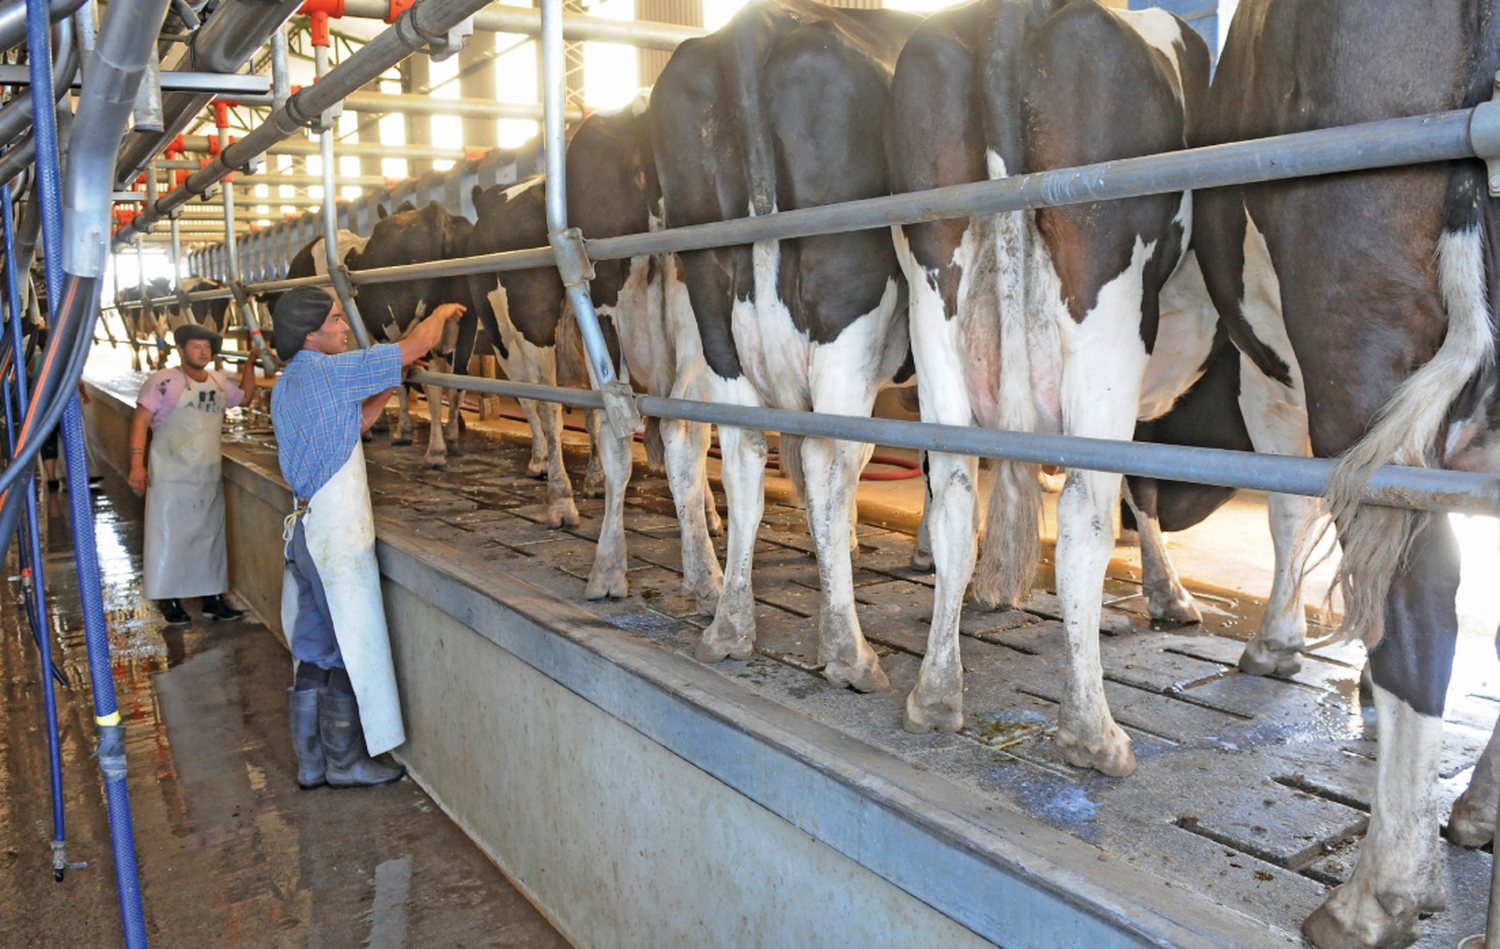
309, 318
199, 345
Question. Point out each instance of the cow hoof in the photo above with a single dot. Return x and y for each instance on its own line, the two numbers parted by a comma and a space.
562, 513
715, 523
1258, 659
1468, 827
1173, 612
921, 718
593, 481
921, 560
607, 583
1112, 756
536, 468
711, 649
1324, 930
401, 440
435, 461
866, 676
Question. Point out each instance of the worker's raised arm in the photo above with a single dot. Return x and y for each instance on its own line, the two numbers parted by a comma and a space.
419, 342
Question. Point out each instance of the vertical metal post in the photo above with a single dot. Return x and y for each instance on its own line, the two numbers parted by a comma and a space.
34, 542
111, 751
573, 264
231, 255
336, 271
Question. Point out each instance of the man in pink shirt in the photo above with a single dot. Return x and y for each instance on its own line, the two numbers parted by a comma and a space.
184, 407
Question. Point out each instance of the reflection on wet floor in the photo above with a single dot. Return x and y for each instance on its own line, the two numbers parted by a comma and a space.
230, 852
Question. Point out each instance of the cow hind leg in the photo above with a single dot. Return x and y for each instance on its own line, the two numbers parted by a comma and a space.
732, 633
1169, 604
595, 477
561, 509
921, 554
1399, 875
455, 414
1472, 822
607, 578
437, 449
1277, 421
685, 447
830, 476
536, 467
403, 435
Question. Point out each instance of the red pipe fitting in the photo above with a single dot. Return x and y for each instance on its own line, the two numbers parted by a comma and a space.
318, 23
333, 8
221, 114
397, 8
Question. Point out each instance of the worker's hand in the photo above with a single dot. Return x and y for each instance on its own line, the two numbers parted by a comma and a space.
449, 311
139, 480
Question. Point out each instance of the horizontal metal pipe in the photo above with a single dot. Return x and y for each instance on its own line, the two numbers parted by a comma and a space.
1440, 137
1424, 489
391, 103
199, 144
507, 19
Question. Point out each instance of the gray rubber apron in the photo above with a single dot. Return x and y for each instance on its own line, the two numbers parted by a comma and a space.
184, 550
340, 529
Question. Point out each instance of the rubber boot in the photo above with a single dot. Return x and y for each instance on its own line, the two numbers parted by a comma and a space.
349, 764
302, 707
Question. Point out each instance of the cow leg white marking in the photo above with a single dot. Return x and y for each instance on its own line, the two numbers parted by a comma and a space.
455, 409
1101, 383
732, 633
921, 554
1399, 874
1276, 418
952, 480
403, 435
607, 578
1166, 599
594, 476
686, 448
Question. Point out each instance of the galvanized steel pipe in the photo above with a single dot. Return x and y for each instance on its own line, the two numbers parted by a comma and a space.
502, 18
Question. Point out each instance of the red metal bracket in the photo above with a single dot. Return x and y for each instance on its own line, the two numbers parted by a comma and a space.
318, 23
398, 7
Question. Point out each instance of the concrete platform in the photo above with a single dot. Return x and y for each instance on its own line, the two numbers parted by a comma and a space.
641, 798
230, 852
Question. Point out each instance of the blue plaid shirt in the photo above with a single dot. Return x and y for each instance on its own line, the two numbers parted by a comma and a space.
315, 409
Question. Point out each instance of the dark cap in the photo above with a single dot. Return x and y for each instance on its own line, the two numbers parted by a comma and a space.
299, 312
188, 332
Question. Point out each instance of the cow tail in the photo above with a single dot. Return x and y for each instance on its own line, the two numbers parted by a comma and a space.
744, 67
1411, 428
1011, 546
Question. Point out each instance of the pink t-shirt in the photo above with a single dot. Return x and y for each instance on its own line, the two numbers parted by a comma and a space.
164, 388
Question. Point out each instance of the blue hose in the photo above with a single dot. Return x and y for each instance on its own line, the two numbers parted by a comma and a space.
111, 752
34, 542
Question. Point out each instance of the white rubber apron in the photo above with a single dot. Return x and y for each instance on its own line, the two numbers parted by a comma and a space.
184, 550
341, 539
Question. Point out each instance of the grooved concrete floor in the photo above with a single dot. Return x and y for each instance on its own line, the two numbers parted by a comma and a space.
231, 853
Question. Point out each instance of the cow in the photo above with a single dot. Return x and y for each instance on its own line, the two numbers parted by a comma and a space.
653, 342
389, 310
1363, 305
783, 108
310, 261
1043, 320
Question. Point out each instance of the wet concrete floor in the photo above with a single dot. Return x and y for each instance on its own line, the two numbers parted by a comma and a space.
231, 853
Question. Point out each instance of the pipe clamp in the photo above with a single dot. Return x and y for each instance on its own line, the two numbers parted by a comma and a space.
1484, 135
573, 263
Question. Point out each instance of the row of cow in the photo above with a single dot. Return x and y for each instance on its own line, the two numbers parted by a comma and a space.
1347, 317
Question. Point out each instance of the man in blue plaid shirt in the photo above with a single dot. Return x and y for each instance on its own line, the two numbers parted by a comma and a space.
343, 705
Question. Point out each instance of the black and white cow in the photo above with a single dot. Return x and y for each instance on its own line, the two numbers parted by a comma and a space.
1046, 320
1364, 307
780, 109
390, 310
653, 341
310, 261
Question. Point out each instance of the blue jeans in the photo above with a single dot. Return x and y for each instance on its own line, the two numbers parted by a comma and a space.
313, 640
